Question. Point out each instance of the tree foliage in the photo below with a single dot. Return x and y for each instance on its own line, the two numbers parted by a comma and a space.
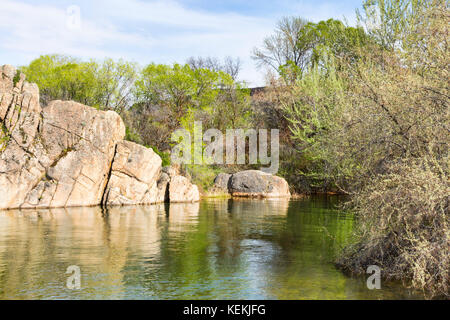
154, 100
105, 85
298, 45
170, 97
379, 127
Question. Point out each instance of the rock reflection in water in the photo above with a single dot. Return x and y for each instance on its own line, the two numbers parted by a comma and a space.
216, 249
36, 246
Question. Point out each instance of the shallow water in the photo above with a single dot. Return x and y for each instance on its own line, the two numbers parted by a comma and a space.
216, 249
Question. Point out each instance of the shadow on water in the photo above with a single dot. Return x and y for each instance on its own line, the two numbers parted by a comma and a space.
216, 249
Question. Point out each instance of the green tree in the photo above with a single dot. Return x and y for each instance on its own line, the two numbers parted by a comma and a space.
115, 84
333, 37
105, 85
379, 127
62, 77
298, 45
170, 97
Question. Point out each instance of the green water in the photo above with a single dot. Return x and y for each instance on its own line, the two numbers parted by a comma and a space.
219, 249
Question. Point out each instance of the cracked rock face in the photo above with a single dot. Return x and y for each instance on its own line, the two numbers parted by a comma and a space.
79, 142
134, 176
68, 154
58, 156
20, 111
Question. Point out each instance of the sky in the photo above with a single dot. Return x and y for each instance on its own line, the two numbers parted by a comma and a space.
146, 31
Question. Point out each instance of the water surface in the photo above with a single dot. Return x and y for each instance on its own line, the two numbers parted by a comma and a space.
216, 249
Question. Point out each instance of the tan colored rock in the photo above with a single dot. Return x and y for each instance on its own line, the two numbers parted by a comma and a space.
78, 144
255, 183
52, 157
20, 111
134, 174
182, 190
68, 154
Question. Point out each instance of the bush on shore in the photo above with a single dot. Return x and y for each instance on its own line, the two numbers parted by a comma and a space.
402, 224
379, 126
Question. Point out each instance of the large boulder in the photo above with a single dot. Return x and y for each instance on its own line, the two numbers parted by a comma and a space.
255, 183
134, 176
57, 156
182, 190
68, 154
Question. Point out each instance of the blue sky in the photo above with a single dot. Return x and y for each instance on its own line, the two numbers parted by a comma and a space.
147, 31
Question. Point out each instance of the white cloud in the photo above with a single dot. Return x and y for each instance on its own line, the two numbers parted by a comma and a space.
142, 31
29, 30
43, 29
174, 14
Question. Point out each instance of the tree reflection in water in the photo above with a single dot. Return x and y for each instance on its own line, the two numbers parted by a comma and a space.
216, 249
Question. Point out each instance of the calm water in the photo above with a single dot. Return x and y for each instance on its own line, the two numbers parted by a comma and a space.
220, 249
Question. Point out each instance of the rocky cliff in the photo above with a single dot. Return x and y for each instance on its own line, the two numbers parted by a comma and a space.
68, 154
